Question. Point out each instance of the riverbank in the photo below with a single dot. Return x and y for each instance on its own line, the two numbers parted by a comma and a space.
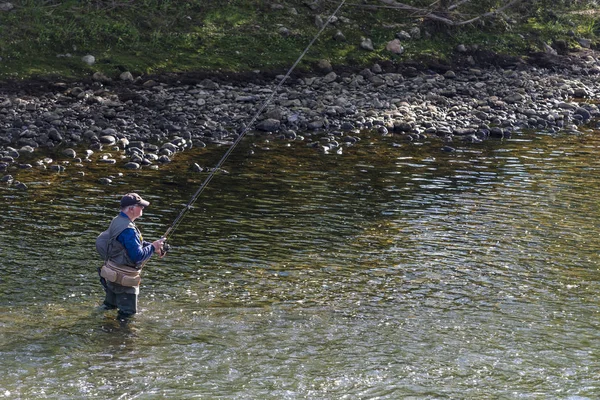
74, 39
143, 122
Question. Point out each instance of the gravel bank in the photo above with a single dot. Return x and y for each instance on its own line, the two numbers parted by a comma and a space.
149, 120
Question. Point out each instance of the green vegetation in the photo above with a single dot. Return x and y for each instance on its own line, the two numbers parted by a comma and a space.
46, 37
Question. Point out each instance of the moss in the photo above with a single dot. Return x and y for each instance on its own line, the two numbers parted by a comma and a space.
153, 36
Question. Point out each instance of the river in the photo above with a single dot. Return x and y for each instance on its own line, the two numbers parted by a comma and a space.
391, 271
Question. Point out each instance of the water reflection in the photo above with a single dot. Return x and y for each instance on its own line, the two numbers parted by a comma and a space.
387, 272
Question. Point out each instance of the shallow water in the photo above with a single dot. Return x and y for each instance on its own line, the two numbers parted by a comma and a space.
386, 272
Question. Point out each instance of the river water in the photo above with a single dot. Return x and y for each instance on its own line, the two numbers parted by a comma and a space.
393, 270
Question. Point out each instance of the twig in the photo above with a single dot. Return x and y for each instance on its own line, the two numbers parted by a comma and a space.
425, 13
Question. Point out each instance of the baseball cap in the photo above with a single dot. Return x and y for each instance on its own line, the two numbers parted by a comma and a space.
131, 199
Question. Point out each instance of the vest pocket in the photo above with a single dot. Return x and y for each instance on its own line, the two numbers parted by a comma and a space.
120, 278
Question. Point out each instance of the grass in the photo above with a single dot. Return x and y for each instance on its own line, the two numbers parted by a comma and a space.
46, 37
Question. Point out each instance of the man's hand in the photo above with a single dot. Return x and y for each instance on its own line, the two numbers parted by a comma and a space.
158, 245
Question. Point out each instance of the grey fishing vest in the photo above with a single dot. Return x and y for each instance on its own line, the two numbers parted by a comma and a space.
110, 248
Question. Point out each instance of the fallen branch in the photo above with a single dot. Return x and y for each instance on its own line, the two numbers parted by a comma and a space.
432, 15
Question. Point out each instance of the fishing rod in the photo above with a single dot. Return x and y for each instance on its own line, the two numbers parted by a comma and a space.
212, 173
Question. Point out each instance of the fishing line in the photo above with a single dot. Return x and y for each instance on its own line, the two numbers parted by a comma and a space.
212, 173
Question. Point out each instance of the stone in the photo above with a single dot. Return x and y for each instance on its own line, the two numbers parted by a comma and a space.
100, 77
132, 165
585, 43
269, 125
514, 98
69, 153
325, 66
197, 168
339, 36
126, 76
330, 77
367, 44
6, 6
108, 139
394, 46
89, 59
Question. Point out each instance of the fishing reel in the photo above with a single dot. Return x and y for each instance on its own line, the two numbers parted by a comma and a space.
165, 249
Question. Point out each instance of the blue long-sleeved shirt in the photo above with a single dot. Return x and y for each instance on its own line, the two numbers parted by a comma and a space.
138, 250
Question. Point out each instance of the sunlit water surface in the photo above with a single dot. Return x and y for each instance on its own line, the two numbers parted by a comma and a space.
386, 272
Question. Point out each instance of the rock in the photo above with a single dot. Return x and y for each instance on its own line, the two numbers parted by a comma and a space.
14, 153
514, 98
50, 116
567, 106
246, 99
20, 185
585, 43
165, 152
315, 125
69, 153
89, 59
324, 66
330, 77
126, 76
415, 32
57, 168
132, 165
585, 114
208, 84
172, 148
27, 149
197, 168
403, 35
100, 77
268, 125
150, 83
395, 47
7, 179
289, 134
283, 31
347, 126
497, 132
6, 6
319, 23
366, 44
451, 75
549, 50
580, 93
339, 36
108, 139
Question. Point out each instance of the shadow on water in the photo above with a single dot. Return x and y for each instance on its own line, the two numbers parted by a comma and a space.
387, 272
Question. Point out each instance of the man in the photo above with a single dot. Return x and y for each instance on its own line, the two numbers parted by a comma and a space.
125, 253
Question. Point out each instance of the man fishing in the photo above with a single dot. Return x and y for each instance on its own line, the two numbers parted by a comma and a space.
125, 252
